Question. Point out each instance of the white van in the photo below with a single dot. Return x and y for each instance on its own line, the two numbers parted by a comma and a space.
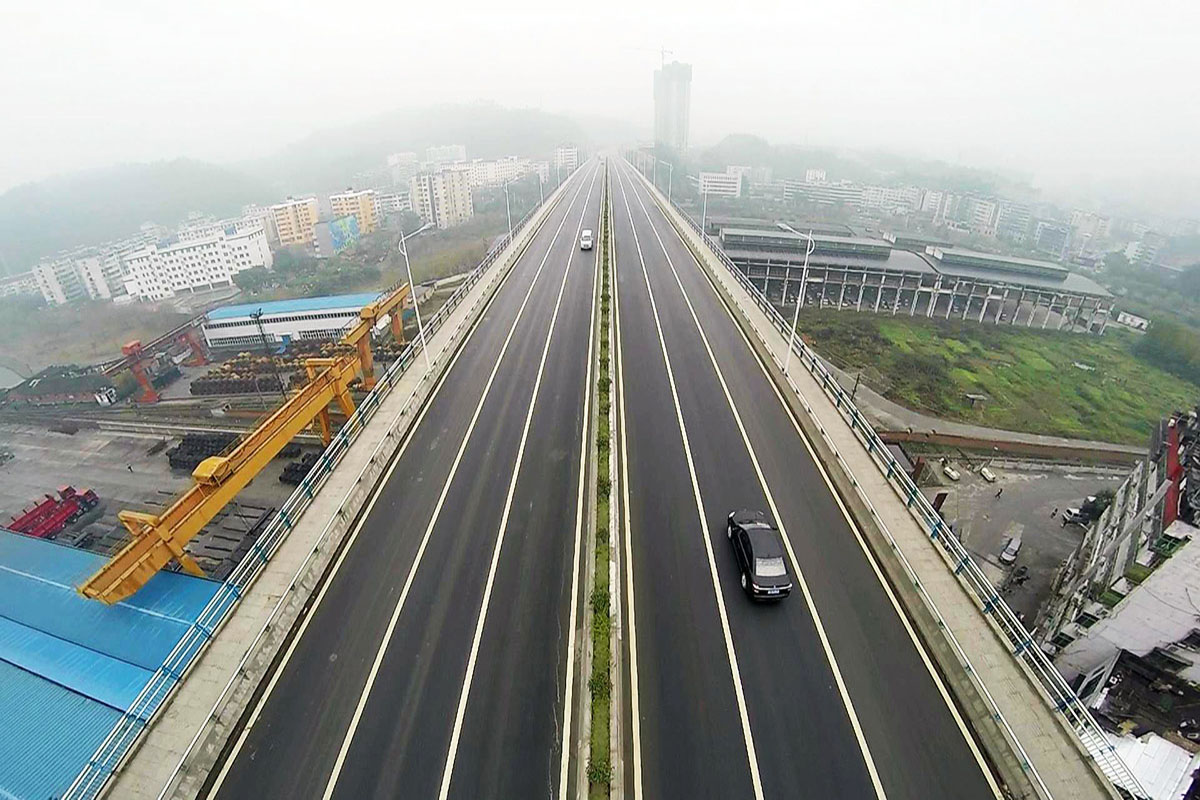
585, 239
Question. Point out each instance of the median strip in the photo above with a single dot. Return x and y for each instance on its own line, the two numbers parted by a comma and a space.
599, 770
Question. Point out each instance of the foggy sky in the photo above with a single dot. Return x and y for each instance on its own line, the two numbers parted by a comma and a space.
1080, 95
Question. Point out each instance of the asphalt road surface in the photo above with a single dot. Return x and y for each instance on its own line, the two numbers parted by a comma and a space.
823, 695
435, 661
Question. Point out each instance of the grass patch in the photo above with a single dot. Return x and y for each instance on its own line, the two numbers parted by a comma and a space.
79, 333
1028, 375
599, 767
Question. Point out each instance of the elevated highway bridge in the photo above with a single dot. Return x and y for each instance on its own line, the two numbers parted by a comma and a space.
441, 650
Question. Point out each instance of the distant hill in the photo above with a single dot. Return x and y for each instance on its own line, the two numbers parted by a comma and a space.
83, 208
790, 161
327, 159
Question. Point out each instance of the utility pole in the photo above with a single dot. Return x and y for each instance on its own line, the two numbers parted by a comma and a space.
412, 291
508, 210
670, 180
787, 362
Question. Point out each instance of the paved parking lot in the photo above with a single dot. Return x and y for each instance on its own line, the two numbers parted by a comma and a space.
1025, 508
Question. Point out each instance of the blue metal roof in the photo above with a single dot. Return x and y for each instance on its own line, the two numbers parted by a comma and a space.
299, 305
86, 662
48, 734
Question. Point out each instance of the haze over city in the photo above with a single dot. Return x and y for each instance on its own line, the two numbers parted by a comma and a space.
599, 401
1087, 99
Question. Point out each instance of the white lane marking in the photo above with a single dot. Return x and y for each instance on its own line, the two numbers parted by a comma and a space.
391, 628
465, 694
859, 538
762, 481
631, 628
287, 656
584, 450
751, 755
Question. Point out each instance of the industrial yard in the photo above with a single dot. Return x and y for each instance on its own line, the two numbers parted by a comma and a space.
126, 471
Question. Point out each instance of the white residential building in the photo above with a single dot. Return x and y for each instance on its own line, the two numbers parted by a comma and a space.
443, 198
22, 283
402, 166
387, 203
891, 198
720, 184
814, 176
844, 193
88, 272
1089, 223
175, 266
445, 154
566, 158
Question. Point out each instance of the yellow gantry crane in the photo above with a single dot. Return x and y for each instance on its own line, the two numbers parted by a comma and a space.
159, 539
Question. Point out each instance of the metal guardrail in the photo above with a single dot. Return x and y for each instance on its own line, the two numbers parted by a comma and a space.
1059, 694
120, 740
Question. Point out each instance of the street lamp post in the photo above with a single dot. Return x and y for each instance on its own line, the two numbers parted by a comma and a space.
508, 210
704, 212
403, 248
541, 193
670, 180
787, 361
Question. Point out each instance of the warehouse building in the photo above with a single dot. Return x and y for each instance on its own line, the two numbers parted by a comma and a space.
278, 322
938, 282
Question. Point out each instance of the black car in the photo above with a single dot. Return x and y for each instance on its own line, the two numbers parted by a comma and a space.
758, 547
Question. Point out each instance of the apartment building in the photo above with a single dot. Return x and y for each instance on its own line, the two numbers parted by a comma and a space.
175, 265
1051, 237
1012, 220
843, 193
1089, 223
358, 204
566, 158
673, 105
814, 175
294, 220
59, 282
894, 199
262, 214
721, 184
1144, 252
402, 167
443, 198
387, 203
445, 154
21, 283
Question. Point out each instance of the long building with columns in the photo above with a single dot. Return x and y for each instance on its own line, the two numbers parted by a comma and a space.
915, 277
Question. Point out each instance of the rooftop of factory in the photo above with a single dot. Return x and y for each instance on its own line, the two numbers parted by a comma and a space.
858, 252
918, 241
70, 667
296, 306
748, 238
892, 260
716, 222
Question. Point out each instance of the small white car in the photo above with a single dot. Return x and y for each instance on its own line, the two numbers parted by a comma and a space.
987, 475
1011, 550
585, 239
951, 473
